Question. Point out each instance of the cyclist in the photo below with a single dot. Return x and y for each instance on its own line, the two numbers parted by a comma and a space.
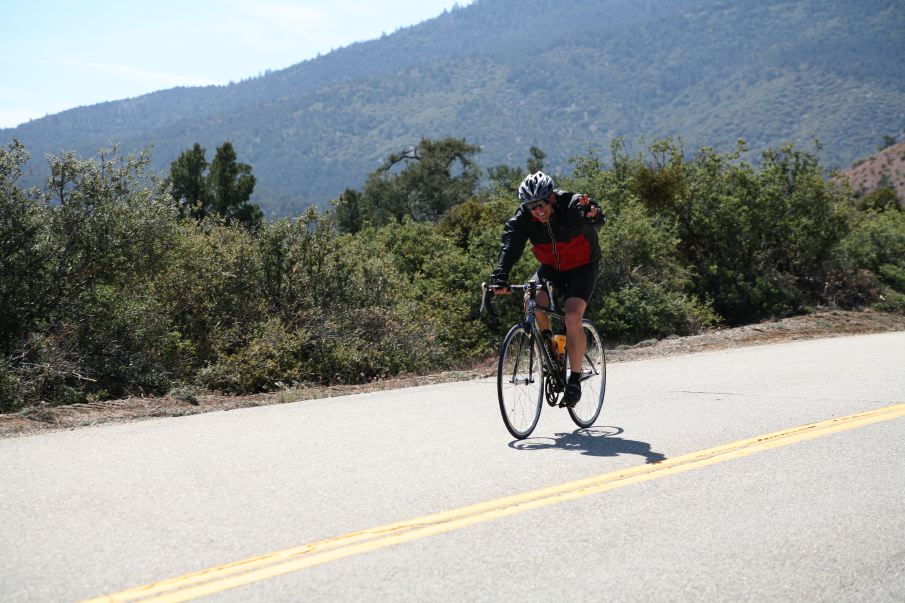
562, 229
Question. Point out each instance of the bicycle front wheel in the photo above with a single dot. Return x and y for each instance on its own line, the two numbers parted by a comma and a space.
520, 382
593, 378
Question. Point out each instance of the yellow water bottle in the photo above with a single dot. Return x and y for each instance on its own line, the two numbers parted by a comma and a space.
559, 344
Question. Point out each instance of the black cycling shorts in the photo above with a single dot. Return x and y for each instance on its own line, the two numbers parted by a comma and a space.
578, 282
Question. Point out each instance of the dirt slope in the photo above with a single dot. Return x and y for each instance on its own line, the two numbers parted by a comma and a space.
886, 168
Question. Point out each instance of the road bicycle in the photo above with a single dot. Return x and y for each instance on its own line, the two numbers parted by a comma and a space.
533, 368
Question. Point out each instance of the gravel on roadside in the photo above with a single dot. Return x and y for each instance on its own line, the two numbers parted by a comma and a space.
827, 323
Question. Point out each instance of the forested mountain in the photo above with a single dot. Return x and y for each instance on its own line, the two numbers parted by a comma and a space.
510, 74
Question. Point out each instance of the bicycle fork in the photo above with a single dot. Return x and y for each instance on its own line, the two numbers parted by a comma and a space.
529, 374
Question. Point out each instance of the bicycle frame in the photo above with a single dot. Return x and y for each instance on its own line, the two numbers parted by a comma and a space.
550, 366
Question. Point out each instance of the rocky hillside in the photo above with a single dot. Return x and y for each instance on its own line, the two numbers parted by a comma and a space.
885, 169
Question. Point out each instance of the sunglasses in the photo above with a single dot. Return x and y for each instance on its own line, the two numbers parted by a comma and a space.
532, 205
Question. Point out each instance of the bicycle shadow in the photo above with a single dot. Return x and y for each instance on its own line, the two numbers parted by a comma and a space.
594, 441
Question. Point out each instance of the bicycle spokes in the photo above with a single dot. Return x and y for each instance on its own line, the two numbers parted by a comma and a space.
518, 384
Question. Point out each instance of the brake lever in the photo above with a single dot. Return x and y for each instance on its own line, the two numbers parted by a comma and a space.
485, 304
485, 297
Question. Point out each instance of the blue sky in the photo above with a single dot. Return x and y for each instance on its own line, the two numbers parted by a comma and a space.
61, 54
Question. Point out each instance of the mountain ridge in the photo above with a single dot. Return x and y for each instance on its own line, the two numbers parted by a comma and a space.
507, 75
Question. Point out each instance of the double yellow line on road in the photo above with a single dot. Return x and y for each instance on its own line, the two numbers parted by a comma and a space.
225, 577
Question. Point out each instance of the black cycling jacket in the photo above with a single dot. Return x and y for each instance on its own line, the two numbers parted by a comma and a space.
567, 241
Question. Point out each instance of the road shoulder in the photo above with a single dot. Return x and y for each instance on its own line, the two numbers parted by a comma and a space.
830, 323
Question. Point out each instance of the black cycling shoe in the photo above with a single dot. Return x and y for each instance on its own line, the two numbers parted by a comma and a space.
573, 391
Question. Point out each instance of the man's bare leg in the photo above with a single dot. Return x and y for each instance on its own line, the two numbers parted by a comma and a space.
575, 340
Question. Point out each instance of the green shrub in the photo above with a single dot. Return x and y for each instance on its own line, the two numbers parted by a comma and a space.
883, 199
125, 342
876, 238
107, 292
894, 276
75, 284
758, 242
374, 342
891, 301
892, 297
12, 392
25, 253
275, 355
649, 310
47, 369
443, 281
643, 289
210, 291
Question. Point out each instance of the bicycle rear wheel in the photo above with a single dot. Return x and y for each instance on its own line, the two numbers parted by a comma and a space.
593, 378
520, 382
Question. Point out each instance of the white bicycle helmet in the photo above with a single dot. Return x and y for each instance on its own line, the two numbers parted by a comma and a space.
535, 187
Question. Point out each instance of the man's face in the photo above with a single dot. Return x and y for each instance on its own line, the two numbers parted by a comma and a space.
541, 210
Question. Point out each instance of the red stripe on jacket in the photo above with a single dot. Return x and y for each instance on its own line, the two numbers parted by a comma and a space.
569, 254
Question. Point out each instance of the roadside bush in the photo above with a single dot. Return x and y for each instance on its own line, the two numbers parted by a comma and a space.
332, 308
111, 223
124, 343
73, 278
209, 291
758, 242
647, 310
374, 342
274, 356
106, 291
46, 369
892, 298
874, 249
876, 238
12, 393
444, 282
643, 289
24, 252
308, 266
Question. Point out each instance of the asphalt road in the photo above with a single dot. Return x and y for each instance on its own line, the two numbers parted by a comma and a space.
820, 516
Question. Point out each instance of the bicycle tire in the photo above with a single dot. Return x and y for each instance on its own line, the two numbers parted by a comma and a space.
593, 378
520, 382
